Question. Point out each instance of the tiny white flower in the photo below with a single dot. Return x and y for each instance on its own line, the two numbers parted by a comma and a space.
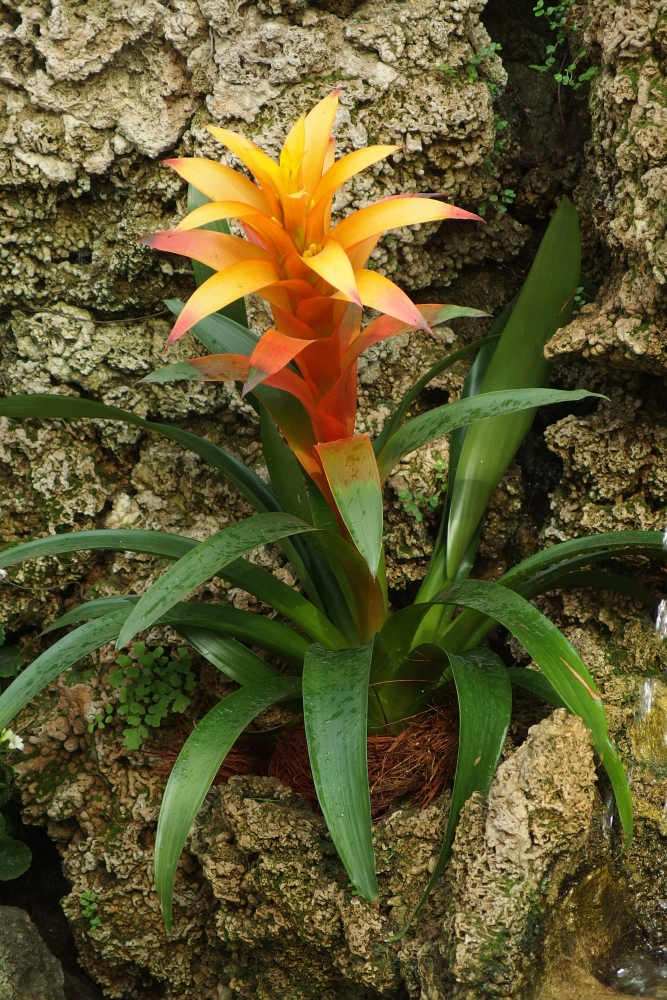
14, 742
4, 573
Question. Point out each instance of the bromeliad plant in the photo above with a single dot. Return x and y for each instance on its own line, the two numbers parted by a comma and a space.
352, 665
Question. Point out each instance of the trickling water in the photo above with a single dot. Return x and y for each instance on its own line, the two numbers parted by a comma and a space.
661, 620
608, 813
661, 617
647, 696
641, 976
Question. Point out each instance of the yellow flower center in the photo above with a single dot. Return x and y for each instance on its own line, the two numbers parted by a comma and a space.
312, 250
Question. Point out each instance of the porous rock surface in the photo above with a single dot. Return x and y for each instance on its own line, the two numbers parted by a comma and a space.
262, 907
27, 967
91, 96
624, 190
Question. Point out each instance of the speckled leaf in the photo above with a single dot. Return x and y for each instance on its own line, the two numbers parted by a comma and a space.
441, 420
335, 713
206, 560
560, 664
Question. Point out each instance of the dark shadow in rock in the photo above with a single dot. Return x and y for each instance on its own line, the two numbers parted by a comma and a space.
39, 892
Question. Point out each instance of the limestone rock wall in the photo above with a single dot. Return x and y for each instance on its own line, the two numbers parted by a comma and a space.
91, 97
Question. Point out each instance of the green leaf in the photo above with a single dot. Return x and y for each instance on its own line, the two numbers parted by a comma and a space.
398, 694
288, 602
436, 574
598, 579
285, 470
269, 635
180, 371
537, 573
11, 658
197, 766
441, 420
350, 467
366, 597
55, 660
560, 664
206, 560
535, 682
335, 713
518, 363
235, 310
95, 609
484, 694
399, 631
15, 858
396, 419
157, 543
228, 655
51, 407
593, 548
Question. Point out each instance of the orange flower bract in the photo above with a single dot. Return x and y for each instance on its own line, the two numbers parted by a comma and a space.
313, 276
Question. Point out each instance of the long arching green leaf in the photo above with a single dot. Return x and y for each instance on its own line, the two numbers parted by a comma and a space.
561, 665
196, 767
156, 543
335, 713
484, 695
471, 628
254, 579
606, 545
51, 407
597, 579
518, 362
441, 420
228, 655
396, 419
56, 659
246, 626
436, 574
290, 603
98, 608
206, 560
535, 682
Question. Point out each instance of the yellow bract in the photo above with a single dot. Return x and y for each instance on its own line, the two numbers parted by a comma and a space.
286, 216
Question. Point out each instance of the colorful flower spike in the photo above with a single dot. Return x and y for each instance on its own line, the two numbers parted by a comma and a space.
313, 276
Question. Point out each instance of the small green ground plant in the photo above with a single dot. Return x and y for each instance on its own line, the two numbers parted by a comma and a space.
566, 76
89, 908
351, 665
149, 685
